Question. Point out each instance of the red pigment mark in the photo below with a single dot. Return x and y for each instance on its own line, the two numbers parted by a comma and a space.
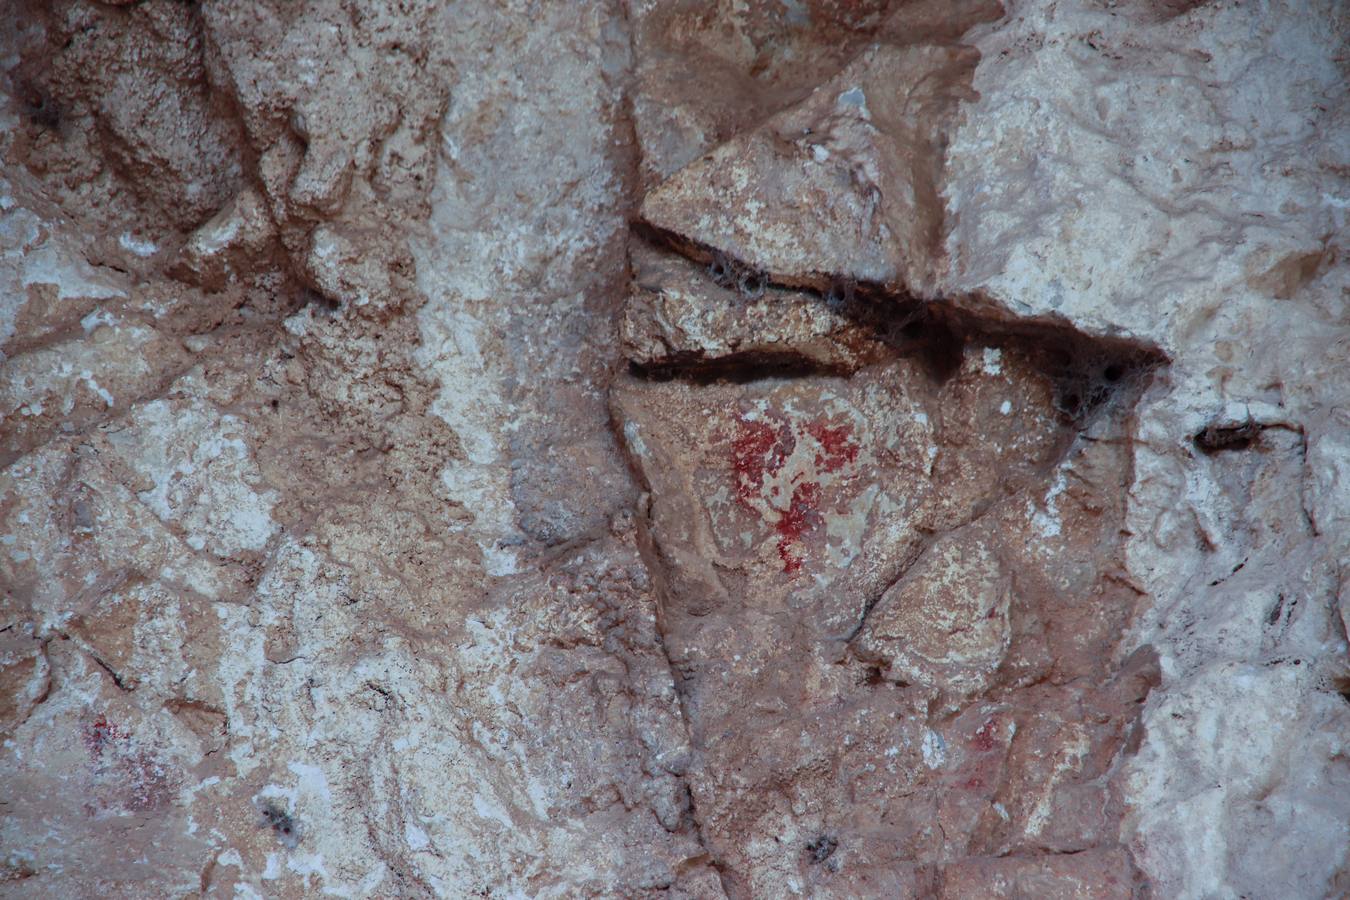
800, 517
760, 450
757, 450
127, 779
98, 734
837, 447
984, 737
971, 784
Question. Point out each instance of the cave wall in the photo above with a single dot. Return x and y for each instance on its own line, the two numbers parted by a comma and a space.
687, 448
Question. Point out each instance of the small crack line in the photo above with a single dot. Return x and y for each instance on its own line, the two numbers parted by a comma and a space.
112, 673
994, 507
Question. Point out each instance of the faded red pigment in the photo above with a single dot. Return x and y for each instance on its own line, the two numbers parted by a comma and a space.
984, 737
759, 450
99, 733
800, 517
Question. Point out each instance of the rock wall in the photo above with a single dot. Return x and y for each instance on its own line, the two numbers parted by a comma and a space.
700, 449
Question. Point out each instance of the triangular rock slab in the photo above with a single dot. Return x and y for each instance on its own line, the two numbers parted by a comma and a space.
842, 185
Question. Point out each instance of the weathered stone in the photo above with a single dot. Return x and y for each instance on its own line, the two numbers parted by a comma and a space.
844, 184
735, 449
681, 314
945, 623
230, 244
25, 676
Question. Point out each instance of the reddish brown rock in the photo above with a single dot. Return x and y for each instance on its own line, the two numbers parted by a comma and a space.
757, 448
932, 679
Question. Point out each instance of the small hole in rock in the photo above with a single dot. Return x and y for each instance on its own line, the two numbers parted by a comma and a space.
1218, 436
821, 849
1340, 685
282, 823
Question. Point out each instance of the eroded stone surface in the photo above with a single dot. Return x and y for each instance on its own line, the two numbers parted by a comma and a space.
286, 632
946, 623
845, 183
680, 314
873, 591
941, 493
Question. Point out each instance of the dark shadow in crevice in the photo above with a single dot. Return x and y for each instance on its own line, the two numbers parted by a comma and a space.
1087, 371
736, 368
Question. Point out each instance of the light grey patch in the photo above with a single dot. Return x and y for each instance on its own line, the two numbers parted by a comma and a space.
853, 97
798, 15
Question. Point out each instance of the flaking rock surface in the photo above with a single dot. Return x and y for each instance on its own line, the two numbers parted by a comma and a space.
668, 448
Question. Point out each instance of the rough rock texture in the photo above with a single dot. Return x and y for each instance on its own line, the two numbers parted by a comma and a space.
700, 449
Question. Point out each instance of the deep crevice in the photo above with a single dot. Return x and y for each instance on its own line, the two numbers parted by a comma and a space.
1088, 371
736, 368
656, 571
112, 673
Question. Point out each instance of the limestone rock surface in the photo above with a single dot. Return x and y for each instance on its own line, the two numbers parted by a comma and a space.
627, 448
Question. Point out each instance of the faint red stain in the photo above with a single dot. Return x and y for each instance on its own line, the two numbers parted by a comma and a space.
125, 778
837, 447
99, 733
984, 736
145, 782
